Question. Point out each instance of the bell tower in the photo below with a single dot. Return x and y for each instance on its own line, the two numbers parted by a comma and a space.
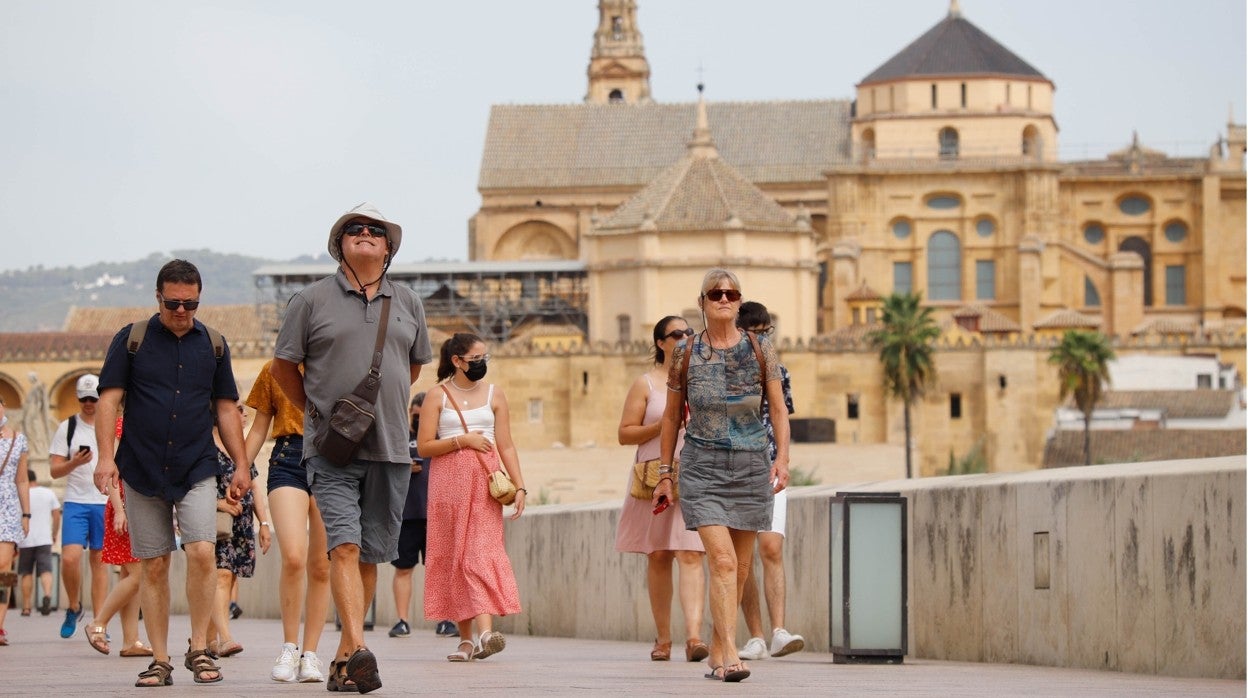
618, 70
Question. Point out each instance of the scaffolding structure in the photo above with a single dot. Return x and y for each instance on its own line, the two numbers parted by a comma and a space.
494, 300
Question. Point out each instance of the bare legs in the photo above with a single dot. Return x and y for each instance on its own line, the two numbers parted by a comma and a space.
728, 554
123, 599
771, 552
8, 551
402, 588
219, 619
305, 567
353, 584
692, 590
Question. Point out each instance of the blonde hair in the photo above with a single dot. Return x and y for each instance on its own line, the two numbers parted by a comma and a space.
716, 275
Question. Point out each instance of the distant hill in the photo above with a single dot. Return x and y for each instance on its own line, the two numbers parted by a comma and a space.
37, 299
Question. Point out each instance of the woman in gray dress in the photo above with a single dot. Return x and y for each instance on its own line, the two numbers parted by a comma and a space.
725, 475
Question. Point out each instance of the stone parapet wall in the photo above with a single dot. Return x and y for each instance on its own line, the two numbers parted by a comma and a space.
1145, 569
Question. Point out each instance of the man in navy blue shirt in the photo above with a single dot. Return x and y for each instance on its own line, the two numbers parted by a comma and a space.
175, 387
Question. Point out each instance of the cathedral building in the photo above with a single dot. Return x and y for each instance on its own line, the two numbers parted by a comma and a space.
941, 176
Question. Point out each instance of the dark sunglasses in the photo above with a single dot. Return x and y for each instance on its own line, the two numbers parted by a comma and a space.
677, 334
357, 229
173, 305
718, 294
88, 399
764, 330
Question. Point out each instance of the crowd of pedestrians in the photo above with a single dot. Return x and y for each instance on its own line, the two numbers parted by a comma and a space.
156, 461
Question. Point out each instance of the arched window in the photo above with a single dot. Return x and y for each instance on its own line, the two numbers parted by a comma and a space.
1031, 142
868, 145
948, 143
1140, 246
944, 267
1091, 297
615, 96
624, 324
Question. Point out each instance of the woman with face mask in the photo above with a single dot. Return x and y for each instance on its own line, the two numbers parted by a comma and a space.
468, 576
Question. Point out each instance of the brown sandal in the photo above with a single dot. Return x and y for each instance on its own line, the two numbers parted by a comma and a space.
200, 663
696, 650
161, 671
662, 651
138, 649
97, 637
337, 679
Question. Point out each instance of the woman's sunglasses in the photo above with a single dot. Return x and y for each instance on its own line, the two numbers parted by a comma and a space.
677, 334
718, 294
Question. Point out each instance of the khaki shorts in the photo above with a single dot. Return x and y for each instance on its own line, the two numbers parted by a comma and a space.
151, 519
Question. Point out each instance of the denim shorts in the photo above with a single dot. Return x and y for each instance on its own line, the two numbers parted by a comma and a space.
286, 467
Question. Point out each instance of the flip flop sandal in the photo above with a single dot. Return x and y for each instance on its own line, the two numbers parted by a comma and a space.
715, 674
735, 673
25, 611
362, 670
461, 654
138, 649
162, 671
336, 681
97, 637
200, 663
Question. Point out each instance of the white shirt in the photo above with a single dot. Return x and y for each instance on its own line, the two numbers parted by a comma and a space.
80, 483
43, 502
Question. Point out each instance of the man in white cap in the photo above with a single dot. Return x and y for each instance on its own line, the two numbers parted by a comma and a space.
72, 455
332, 328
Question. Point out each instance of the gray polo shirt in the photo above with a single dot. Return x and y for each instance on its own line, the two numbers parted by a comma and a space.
331, 329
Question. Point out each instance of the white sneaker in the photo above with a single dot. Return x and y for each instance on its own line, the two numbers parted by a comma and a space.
783, 642
287, 664
310, 668
754, 648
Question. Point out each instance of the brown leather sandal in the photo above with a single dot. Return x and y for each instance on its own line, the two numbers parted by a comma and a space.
200, 663
662, 651
161, 671
696, 650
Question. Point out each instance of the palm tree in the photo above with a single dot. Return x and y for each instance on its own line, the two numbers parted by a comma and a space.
905, 345
1082, 359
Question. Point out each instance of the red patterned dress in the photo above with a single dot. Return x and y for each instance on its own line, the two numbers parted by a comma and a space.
116, 545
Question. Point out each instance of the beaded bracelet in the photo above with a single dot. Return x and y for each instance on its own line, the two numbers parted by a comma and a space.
521, 489
455, 442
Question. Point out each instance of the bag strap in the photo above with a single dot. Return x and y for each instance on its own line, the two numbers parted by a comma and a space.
684, 373
464, 423
5, 463
69, 434
371, 384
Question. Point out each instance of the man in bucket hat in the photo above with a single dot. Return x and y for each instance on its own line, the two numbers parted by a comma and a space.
331, 327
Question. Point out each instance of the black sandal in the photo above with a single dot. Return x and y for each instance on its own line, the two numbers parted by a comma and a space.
200, 663
337, 679
162, 671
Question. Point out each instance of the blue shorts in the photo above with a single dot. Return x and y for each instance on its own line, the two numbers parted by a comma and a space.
82, 524
286, 467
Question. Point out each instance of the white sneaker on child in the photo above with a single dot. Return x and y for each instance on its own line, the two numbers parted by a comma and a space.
287, 664
310, 668
783, 642
754, 648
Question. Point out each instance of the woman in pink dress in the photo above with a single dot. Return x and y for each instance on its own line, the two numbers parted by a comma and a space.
468, 576
661, 537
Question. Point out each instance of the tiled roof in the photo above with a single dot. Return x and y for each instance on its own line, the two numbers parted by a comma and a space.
989, 319
700, 193
52, 346
863, 293
1067, 318
852, 333
238, 323
953, 47
1175, 404
1141, 445
581, 145
1165, 325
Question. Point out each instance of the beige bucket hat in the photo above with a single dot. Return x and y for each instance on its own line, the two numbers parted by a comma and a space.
394, 231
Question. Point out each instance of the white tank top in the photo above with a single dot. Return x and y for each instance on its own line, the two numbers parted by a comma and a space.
478, 418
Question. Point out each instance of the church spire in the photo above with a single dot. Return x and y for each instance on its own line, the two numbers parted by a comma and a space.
618, 70
702, 145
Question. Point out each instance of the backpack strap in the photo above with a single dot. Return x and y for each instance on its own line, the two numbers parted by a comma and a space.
139, 329
69, 434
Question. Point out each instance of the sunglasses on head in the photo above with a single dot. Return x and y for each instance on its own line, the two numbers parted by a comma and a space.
718, 294
173, 304
677, 334
357, 229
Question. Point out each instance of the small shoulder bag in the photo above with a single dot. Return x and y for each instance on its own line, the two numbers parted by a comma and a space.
502, 489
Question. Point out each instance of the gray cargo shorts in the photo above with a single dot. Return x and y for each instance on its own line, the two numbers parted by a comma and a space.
361, 504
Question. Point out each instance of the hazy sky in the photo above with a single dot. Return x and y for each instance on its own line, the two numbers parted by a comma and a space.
139, 126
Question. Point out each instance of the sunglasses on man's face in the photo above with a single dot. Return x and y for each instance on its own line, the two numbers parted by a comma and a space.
678, 334
357, 229
718, 294
88, 399
171, 304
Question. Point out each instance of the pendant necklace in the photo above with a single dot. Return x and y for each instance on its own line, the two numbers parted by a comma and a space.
464, 400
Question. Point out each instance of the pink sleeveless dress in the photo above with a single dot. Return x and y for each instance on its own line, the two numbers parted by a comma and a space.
640, 529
